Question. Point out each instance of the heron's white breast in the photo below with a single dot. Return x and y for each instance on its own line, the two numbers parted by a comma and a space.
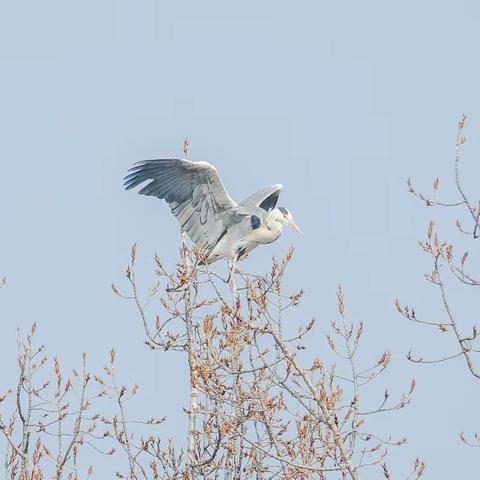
246, 239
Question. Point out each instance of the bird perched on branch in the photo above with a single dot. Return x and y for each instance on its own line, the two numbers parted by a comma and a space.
205, 211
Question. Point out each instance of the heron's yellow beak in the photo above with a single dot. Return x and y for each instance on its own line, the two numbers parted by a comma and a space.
293, 225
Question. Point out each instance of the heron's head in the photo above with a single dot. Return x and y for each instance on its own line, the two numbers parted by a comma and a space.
284, 216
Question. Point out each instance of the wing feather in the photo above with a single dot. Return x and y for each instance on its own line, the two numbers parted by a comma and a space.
193, 190
265, 198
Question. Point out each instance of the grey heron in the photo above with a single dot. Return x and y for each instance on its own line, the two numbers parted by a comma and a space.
205, 211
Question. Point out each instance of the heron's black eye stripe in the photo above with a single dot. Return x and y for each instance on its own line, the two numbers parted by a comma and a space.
255, 222
283, 210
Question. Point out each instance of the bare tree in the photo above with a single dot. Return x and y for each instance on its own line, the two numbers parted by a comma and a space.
449, 266
49, 419
261, 406
51, 422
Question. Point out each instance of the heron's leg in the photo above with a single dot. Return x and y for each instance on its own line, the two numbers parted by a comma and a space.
232, 268
229, 264
231, 277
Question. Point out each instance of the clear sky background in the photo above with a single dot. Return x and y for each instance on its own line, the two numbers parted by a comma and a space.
339, 101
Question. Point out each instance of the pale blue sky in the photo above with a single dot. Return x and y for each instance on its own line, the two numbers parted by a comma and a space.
339, 101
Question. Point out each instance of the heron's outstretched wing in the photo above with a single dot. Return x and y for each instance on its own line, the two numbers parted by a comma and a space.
193, 190
265, 198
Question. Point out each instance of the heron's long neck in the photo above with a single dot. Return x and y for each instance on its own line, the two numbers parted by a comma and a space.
272, 223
